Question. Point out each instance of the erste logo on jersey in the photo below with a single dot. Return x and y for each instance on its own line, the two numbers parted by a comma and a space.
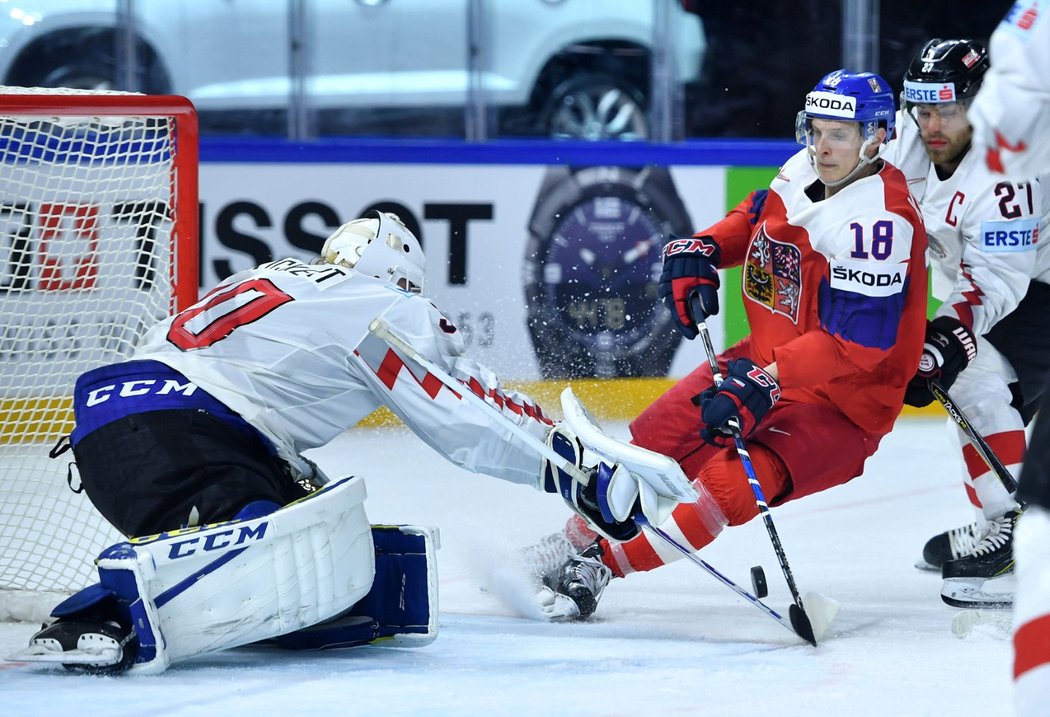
828, 103
1009, 236
929, 93
868, 278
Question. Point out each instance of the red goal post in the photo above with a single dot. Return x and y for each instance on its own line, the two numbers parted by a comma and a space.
98, 241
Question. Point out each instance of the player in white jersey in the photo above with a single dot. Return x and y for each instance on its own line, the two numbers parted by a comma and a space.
990, 338
1011, 113
1011, 121
198, 437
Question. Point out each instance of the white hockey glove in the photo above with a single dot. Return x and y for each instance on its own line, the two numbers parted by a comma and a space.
607, 500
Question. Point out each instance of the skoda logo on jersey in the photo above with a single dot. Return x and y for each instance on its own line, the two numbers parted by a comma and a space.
926, 93
831, 105
867, 278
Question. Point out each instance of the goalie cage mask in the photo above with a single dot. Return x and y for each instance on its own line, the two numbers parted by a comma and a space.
380, 245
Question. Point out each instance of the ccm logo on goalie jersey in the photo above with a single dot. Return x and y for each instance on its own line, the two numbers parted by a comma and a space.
132, 389
861, 277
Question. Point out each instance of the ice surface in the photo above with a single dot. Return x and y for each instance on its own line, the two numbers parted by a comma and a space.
670, 642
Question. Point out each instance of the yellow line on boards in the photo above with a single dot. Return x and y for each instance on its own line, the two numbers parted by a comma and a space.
35, 420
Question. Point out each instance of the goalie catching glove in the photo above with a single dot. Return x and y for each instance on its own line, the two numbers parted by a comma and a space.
950, 347
607, 500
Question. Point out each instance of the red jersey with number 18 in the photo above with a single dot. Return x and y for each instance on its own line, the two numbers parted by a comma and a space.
834, 288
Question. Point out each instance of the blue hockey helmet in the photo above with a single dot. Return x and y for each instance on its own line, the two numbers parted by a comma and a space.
862, 97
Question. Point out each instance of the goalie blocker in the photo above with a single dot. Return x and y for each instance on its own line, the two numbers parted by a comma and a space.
311, 575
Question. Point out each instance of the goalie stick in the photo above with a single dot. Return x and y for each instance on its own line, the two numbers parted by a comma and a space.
803, 628
797, 611
981, 445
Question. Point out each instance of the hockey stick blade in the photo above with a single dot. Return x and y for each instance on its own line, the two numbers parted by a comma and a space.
796, 622
981, 445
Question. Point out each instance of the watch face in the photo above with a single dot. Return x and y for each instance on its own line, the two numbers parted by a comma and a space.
592, 272
602, 270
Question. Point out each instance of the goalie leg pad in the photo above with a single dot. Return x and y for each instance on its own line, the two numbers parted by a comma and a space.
400, 610
198, 590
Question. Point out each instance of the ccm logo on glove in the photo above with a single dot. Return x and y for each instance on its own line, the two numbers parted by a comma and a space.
745, 396
690, 245
689, 282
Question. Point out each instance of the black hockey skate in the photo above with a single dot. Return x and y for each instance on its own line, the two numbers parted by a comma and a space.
82, 646
985, 577
580, 581
949, 545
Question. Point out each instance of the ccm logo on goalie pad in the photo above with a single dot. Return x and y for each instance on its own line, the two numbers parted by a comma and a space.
861, 277
216, 540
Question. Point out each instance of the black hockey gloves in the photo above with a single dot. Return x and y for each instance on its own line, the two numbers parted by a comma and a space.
690, 265
744, 397
949, 348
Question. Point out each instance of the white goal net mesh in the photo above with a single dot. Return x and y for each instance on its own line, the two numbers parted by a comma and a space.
88, 251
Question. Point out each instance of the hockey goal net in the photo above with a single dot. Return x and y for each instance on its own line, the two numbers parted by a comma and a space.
98, 239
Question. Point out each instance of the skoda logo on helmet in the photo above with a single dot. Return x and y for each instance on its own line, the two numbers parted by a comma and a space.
828, 103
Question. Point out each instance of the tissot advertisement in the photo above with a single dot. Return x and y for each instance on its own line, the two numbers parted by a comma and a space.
550, 272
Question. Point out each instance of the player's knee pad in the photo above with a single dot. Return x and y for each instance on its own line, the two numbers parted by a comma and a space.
400, 610
198, 590
725, 478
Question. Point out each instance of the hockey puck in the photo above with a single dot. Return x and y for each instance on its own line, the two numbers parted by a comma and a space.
758, 582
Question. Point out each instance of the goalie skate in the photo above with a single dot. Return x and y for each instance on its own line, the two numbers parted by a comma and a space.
97, 647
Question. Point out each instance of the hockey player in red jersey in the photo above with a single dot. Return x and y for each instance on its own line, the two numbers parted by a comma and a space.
834, 285
1011, 124
195, 441
989, 341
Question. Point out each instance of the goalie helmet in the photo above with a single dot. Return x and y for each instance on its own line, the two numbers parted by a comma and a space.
862, 97
945, 71
380, 245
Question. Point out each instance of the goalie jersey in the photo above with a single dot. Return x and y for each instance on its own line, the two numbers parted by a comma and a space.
287, 347
834, 289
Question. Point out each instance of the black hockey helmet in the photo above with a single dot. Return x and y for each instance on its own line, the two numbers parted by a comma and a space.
945, 71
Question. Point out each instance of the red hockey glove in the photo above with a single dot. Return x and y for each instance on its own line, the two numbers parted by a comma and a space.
949, 348
744, 397
690, 266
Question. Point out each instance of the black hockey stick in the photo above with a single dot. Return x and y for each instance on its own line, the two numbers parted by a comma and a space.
799, 619
803, 628
983, 449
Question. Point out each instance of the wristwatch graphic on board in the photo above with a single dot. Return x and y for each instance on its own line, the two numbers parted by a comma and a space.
592, 271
